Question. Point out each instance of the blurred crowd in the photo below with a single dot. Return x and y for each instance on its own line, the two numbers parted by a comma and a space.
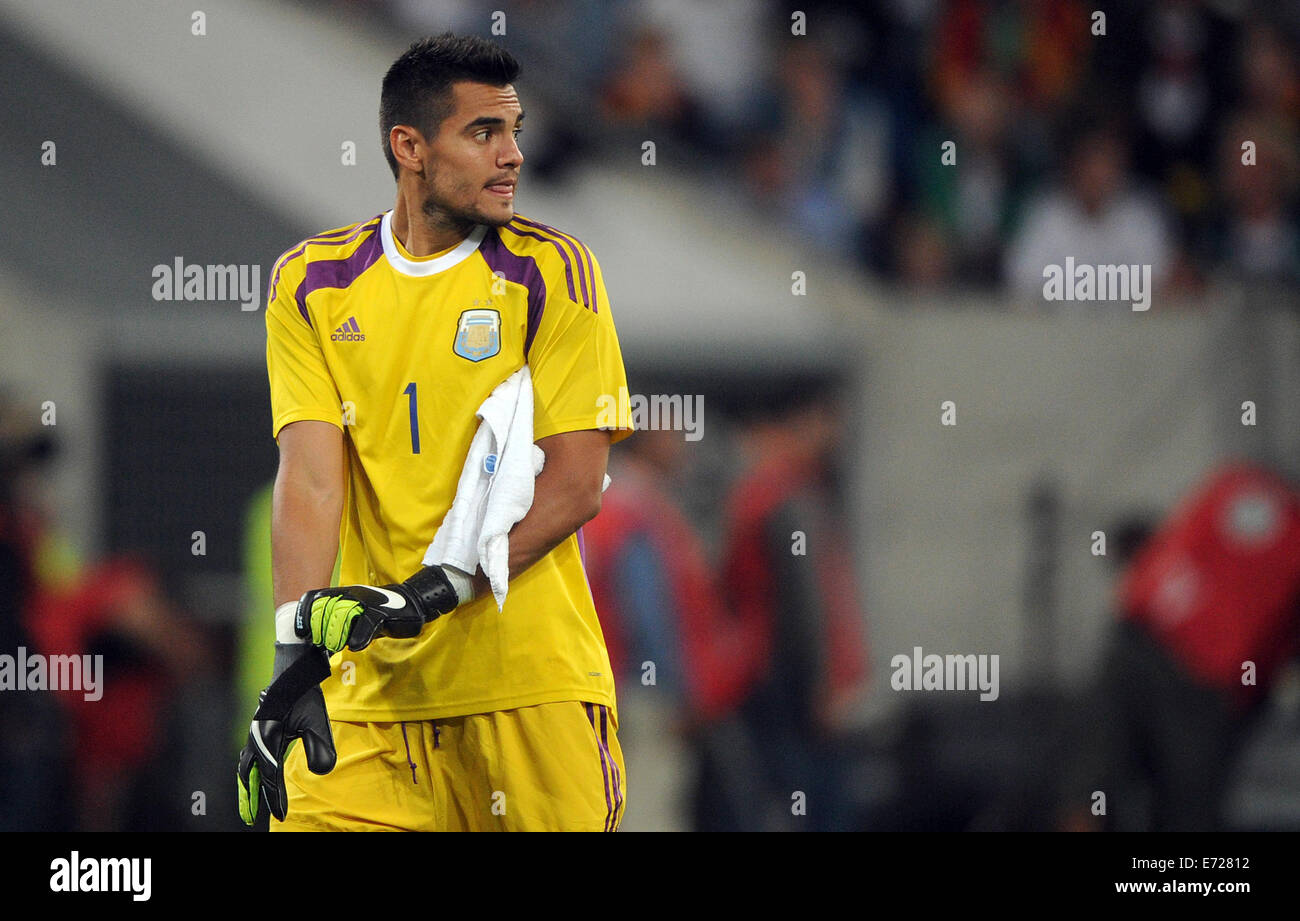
738, 634
740, 660
742, 657
1116, 140
117, 749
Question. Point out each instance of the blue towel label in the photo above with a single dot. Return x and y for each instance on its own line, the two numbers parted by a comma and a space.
490, 464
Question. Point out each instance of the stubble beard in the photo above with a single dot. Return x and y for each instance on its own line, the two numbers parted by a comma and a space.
442, 214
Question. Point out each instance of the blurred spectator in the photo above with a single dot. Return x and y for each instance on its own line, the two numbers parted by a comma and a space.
675, 660
972, 195
719, 50
1258, 236
1039, 49
1040, 46
1209, 615
1173, 94
1269, 73
646, 93
820, 155
923, 261
116, 610
1179, 91
1095, 216
788, 577
35, 738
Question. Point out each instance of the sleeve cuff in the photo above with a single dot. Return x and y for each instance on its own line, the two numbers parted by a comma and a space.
332, 416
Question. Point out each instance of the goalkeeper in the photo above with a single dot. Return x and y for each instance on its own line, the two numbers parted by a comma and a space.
419, 703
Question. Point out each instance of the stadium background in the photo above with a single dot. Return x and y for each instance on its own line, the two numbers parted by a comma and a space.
774, 154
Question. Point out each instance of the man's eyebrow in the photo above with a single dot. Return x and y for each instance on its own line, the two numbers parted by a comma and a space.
490, 121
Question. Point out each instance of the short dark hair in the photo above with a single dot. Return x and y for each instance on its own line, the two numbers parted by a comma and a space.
417, 88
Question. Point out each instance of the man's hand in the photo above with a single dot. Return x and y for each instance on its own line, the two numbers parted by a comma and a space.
291, 707
354, 615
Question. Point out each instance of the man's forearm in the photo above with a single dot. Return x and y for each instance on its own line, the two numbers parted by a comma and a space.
304, 539
566, 496
557, 511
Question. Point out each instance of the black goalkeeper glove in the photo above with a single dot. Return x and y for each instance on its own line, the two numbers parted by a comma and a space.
291, 707
354, 615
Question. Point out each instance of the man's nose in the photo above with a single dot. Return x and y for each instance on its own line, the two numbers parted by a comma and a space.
512, 154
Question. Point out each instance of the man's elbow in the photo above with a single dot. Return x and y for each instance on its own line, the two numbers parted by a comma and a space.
582, 505
303, 484
309, 493
587, 508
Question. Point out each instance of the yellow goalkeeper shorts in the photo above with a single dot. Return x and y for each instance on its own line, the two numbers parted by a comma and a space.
551, 767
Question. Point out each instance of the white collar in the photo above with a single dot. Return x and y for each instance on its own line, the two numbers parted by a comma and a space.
428, 266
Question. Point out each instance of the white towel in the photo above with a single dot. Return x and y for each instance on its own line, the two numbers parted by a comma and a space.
495, 489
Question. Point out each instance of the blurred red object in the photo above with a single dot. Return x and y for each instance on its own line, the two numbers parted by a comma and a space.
1218, 584
717, 650
752, 592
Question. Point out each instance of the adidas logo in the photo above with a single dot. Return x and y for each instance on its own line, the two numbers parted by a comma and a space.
349, 332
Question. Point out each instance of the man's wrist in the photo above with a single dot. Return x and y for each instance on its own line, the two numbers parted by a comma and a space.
284, 624
482, 586
462, 582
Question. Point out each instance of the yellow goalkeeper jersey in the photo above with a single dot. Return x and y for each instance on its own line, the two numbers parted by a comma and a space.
399, 352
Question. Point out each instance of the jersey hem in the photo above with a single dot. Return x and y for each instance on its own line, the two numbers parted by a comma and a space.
306, 415
617, 433
471, 708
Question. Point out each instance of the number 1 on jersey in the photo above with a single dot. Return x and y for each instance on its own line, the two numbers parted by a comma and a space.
415, 418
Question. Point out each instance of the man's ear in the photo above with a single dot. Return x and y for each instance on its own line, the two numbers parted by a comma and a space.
406, 142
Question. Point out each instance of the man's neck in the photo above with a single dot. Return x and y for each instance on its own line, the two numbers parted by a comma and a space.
421, 236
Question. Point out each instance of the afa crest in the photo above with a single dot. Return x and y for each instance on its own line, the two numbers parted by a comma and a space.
478, 335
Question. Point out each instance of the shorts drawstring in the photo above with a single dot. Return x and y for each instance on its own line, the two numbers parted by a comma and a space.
435, 735
408, 752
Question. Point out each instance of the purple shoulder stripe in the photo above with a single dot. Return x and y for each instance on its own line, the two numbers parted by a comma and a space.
522, 270
568, 266
579, 250
337, 273
346, 235
551, 236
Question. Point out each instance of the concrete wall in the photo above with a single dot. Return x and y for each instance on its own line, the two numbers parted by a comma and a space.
1121, 413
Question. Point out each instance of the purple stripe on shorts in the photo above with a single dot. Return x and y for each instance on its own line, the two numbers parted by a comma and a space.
338, 273
521, 270
588, 291
609, 806
604, 743
564, 254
